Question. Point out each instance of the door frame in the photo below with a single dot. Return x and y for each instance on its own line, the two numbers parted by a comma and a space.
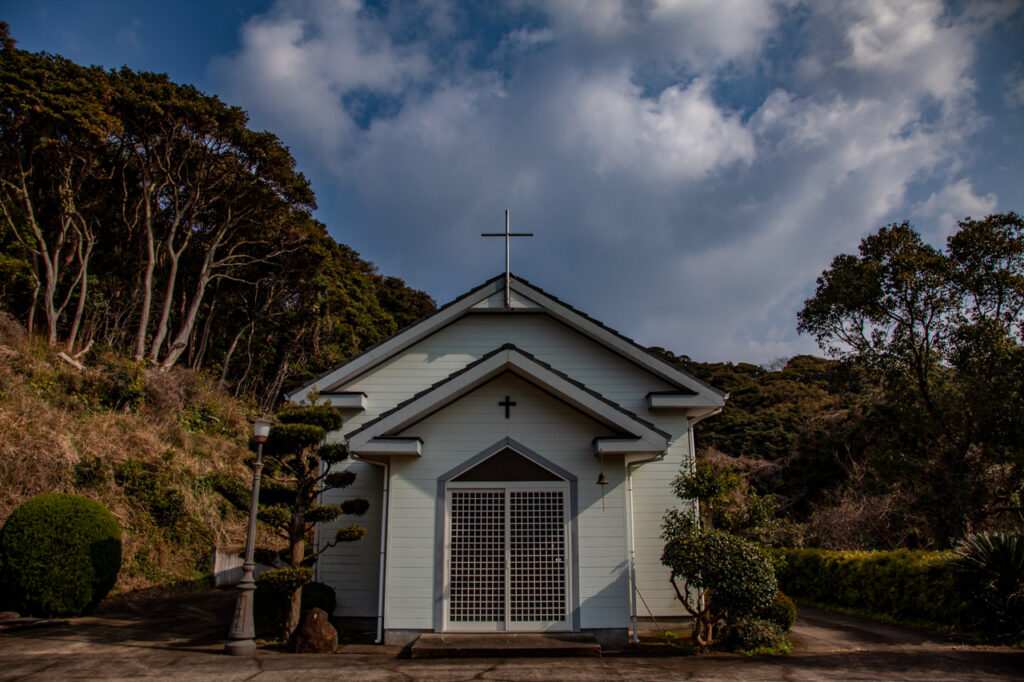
506, 488
441, 525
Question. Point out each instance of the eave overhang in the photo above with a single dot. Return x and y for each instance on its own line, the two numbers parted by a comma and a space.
336, 379
641, 435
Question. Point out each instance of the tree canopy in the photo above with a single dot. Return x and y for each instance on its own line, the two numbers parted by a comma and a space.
146, 216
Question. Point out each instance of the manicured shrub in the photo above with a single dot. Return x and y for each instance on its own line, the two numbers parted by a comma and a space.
292, 438
274, 590
735, 576
319, 596
60, 554
782, 612
327, 418
904, 584
755, 633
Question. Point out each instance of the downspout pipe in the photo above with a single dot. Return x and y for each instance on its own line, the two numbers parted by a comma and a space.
632, 549
386, 466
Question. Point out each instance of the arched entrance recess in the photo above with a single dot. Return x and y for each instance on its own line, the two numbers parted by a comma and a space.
507, 543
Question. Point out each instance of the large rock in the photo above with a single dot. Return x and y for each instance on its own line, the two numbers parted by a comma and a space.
315, 634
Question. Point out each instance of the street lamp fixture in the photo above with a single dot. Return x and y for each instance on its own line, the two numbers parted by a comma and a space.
241, 638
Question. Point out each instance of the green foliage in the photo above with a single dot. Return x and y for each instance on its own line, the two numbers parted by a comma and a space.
326, 417
274, 590
941, 332
333, 453
782, 612
116, 383
355, 507
755, 635
737, 573
994, 565
285, 580
91, 472
319, 596
350, 534
167, 225
59, 555
148, 487
288, 439
903, 584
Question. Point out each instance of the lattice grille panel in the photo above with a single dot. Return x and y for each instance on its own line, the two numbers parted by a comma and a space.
537, 589
477, 556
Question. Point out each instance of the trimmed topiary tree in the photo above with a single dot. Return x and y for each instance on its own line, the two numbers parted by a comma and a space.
297, 472
60, 555
733, 578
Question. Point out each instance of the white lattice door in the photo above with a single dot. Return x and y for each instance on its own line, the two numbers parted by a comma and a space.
507, 567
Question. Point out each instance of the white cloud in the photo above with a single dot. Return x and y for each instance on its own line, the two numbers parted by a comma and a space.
1014, 84
912, 43
681, 135
955, 202
669, 208
297, 62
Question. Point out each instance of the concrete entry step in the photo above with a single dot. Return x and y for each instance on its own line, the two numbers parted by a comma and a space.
503, 645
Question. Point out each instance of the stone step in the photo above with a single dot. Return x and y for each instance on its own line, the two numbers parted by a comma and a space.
505, 645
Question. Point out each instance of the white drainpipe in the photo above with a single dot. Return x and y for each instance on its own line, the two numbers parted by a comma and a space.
386, 465
632, 549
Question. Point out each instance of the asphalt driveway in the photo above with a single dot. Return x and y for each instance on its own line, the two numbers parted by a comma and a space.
182, 638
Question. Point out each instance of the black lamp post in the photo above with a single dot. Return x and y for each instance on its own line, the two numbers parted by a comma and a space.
241, 640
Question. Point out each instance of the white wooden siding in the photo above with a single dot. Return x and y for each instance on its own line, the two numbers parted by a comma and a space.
352, 568
473, 336
475, 422
469, 426
652, 497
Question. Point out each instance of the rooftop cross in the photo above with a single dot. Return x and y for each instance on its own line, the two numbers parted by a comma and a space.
506, 234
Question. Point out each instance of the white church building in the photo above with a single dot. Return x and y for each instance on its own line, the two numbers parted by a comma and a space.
517, 456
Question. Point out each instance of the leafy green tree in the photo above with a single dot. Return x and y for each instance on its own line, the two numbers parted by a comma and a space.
53, 125
719, 572
297, 473
941, 331
146, 216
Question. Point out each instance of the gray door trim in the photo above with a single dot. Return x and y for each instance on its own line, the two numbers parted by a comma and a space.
439, 553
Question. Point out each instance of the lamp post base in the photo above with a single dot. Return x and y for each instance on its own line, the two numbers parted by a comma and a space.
240, 647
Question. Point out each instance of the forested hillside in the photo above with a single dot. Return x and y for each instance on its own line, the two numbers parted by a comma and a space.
144, 216
913, 434
147, 230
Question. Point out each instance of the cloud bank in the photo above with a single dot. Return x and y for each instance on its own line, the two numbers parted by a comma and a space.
689, 167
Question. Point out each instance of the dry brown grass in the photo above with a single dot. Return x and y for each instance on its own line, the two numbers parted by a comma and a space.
53, 434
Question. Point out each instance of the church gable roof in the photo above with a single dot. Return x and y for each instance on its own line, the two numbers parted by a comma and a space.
645, 436
526, 298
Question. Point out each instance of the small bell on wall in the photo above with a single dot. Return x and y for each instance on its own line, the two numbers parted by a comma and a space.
602, 481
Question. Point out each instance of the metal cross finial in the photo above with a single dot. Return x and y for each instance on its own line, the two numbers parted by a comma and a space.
506, 234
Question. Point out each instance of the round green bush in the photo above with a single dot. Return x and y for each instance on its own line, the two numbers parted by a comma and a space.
319, 596
60, 554
782, 612
756, 633
326, 417
738, 573
274, 589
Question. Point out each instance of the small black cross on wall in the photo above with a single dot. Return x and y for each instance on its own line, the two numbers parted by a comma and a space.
507, 404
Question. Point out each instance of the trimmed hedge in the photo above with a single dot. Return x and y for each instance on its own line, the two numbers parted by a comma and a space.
60, 555
905, 584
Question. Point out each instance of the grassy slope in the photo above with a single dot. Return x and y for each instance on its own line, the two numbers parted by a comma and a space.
141, 442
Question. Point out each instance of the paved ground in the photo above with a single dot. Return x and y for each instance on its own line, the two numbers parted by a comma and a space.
182, 638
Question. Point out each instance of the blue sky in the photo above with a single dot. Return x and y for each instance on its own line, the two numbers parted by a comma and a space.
688, 166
